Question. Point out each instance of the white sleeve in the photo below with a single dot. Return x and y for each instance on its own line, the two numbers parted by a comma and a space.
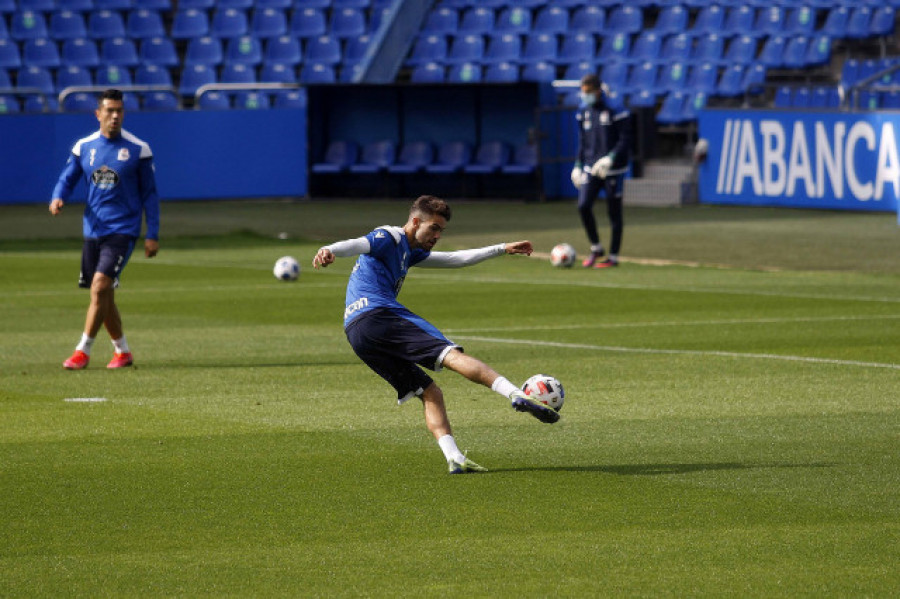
462, 257
349, 247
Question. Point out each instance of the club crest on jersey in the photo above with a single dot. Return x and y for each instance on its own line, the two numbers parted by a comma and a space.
124, 154
105, 178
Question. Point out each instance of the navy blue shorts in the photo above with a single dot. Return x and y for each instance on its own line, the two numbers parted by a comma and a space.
107, 255
392, 343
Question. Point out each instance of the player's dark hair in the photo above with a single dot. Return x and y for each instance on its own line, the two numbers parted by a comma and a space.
431, 206
110, 94
591, 80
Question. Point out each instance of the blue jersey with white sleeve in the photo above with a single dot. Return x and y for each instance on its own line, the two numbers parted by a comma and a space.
120, 181
378, 275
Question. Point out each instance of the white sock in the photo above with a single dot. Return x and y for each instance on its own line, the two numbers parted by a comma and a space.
614, 257
85, 344
504, 387
597, 249
121, 345
451, 452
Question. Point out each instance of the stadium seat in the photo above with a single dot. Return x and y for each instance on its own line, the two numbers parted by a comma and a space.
203, 5
37, 78
579, 69
279, 4
836, 21
9, 105
294, 98
588, 19
5, 81
237, 73
338, 157
614, 48
40, 52
754, 79
467, 72
693, 104
317, 73
162, 5
540, 47
467, 48
642, 99
245, 50
193, 76
801, 98
375, 157
452, 156
324, 49
151, 74
672, 20
159, 50
739, 20
552, 19
477, 20
772, 53
795, 52
277, 72
710, 19
501, 72
117, 5
113, 76
214, 101
7, 6
671, 112
238, 4
615, 75
251, 100
441, 21
741, 50
160, 101
709, 48
67, 25
119, 51
308, 23
883, 23
358, 4
204, 50
541, 72
646, 47
576, 48
702, 78
228, 22
783, 97
80, 53
513, 19
428, 72
489, 158
27, 25
428, 48
81, 102
105, 24
413, 158
769, 21
625, 19
268, 22
190, 23
800, 20
503, 48
72, 76
731, 81
672, 77
524, 160
858, 23
34, 104
641, 77
348, 22
677, 48
144, 23
284, 50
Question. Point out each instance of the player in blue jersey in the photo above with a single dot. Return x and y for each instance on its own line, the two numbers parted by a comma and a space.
393, 341
117, 169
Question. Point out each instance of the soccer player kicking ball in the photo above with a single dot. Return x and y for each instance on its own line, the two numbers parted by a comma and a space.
392, 340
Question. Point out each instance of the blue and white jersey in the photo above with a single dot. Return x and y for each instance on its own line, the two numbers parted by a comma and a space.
121, 185
378, 275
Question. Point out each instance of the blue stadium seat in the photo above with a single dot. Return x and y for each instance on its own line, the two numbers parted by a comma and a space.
770, 21
160, 101
320, 4
80, 53
67, 25
294, 98
466, 72
113, 76
193, 76
441, 21
625, 19
427, 72
203, 5
214, 101
801, 20
151, 74
251, 100
428, 48
375, 157
503, 48
579, 69
615, 47
317, 73
783, 97
163, 5
284, 50
34, 104
40, 52
647, 46
576, 48
279, 4
677, 48
452, 156
35, 77
642, 77
540, 47
836, 22
772, 53
7, 6
413, 158
466, 48
324, 49
477, 20
268, 22
339, 155
754, 79
308, 22
27, 25
5, 81
615, 75
189, 23
44, 6
204, 50
358, 4
117, 5
801, 98
741, 50
228, 22
513, 19
105, 24
4, 31
671, 112
795, 52
348, 22
245, 50
710, 19
673, 77
524, 160
143, 23
703, 78
119, 51
693, 104
672, 20
709, 48
236, 72
159, 50
9, 104
277, 72
81, 102
883, 22
552, 19
542, 72
739, 20
489, 158
72, 76
239, 4
731, 81
642, 99
858, 23
588, 19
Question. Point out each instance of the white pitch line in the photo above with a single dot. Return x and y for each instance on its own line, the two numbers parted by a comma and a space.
680, 352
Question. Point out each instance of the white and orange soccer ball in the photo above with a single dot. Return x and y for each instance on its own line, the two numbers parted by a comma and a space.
545, 389
562, 255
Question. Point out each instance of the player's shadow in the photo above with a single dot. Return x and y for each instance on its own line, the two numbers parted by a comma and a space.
665, 469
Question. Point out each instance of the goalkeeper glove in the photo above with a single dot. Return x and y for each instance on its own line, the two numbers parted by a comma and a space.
579, 177
602, 166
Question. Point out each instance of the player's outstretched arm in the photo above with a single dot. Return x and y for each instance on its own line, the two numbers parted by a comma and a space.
323, 258
519, 247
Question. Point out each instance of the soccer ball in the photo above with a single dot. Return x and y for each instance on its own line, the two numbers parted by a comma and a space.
546, 389
562, 255
286, 268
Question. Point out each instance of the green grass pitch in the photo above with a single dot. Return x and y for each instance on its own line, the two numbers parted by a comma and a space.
731, 426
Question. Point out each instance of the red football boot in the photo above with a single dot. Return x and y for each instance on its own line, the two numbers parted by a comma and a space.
608, 263
121, 360
77, 361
